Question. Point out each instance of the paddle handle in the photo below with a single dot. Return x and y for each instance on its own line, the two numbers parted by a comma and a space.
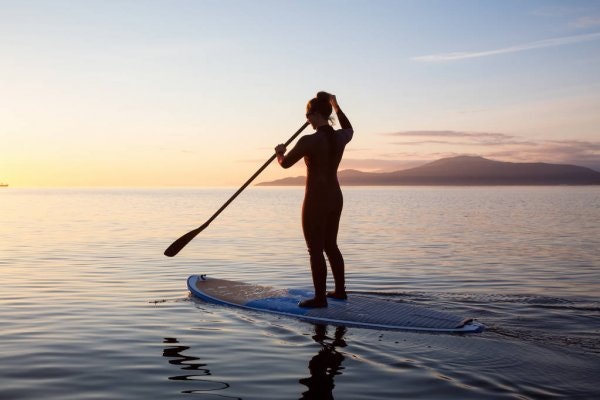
180, 243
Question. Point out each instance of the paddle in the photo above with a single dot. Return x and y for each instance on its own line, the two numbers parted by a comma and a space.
180, 243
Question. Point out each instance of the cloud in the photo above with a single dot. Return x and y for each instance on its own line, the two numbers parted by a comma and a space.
498, 146
474, 143
583, 153
556, 11
459, 138
586, 22
451, 134
454, 56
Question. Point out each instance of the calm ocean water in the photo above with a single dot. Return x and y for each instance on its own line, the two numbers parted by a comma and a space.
91, 309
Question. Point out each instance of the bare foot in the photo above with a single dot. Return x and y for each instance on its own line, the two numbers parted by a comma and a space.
313, 303
338, 295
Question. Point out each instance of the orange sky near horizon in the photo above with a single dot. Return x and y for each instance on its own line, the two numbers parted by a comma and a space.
199, 95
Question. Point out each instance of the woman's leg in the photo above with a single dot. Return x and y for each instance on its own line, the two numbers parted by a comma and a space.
334, 255
313, 227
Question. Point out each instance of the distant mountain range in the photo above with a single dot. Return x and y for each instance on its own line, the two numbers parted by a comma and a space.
465, 170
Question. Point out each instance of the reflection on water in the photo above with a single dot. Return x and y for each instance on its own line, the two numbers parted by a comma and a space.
325, 365
189, 363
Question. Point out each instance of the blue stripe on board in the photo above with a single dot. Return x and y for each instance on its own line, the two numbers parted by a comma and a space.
280, 304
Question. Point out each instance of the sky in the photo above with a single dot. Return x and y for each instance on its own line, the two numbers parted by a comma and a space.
198, 93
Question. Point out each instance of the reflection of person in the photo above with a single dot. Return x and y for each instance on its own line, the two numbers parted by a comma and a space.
322, 208
325, 365
196, 370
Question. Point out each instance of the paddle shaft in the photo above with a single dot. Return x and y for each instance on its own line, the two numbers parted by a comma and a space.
261, 169
180, 243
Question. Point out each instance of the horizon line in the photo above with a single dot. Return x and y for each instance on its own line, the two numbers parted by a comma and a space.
194, 186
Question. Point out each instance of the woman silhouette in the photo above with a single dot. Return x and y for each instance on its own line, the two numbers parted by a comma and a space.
323, 201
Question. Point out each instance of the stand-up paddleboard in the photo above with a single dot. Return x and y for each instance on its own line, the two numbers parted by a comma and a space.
358, 311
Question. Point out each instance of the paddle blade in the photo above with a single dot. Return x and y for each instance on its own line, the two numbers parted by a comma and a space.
180, 243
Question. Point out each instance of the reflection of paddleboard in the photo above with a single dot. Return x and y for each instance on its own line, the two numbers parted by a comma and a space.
359, 311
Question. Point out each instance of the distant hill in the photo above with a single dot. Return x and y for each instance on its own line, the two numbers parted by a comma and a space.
465, 170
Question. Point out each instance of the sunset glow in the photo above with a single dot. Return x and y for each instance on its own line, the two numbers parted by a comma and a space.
198, 93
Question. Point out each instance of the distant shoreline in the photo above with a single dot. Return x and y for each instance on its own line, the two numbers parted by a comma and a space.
465, 171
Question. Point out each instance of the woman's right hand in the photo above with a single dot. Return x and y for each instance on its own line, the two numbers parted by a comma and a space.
280, 149
333, 102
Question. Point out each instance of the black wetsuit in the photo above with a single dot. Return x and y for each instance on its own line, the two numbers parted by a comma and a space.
323, 201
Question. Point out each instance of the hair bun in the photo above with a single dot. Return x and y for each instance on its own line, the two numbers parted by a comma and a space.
320, 104
324, 96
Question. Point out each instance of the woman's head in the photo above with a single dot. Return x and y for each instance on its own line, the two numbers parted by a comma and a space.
318, 109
